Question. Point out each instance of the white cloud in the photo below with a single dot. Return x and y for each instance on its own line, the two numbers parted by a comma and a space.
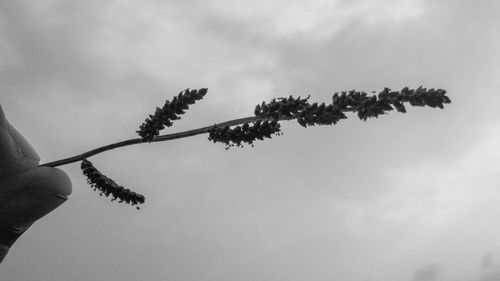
103, 65
446, 208
442, 191
318, 19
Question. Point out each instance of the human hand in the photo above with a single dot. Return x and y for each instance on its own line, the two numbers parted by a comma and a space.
27, 192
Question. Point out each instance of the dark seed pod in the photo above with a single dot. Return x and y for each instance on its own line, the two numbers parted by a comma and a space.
164, 116
366, 106
108, 187
281, 108
245, 133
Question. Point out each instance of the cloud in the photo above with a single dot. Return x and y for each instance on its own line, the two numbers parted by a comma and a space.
488, 260
349, 201
427, 273
449, 207
316, 20
47, 46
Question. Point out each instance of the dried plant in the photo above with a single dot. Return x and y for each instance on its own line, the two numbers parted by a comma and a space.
164, 116
264, 124
246, 133
107, 186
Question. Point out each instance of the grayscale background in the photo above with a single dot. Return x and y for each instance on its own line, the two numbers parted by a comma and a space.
403, 197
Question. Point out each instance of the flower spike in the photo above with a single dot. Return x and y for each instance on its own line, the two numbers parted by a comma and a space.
163, 117
308, 114
107, 186
263, 124
244, 134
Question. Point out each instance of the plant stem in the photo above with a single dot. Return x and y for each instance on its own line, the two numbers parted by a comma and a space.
180, 135
418, 97
168, 137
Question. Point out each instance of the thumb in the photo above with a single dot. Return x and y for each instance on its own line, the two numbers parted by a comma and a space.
25, 198
16, 154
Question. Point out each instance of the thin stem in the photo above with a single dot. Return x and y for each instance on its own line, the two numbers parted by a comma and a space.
168, 137
418, 97
180, 135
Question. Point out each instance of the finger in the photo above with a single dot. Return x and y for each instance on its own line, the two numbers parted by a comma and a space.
3, 120
28, 196
25, 149
3, 252
16, 154
51, 179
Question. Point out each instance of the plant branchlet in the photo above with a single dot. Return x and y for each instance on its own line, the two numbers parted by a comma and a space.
244, 134
170, 111
263, 124
366, 106
108, 187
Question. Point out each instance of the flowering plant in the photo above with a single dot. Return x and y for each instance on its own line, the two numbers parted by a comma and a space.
263, 124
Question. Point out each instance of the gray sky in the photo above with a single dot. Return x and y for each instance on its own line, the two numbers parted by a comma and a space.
403, 197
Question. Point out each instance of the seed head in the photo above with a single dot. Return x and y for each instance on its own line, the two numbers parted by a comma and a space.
164, 116
245, 133
107, 186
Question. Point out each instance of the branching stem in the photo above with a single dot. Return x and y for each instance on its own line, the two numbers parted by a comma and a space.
168, 137
180, 135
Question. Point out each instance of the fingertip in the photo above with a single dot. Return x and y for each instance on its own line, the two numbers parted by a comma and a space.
53, 179
62, 182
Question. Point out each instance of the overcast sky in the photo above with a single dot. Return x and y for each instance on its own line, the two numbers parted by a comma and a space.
403, 197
